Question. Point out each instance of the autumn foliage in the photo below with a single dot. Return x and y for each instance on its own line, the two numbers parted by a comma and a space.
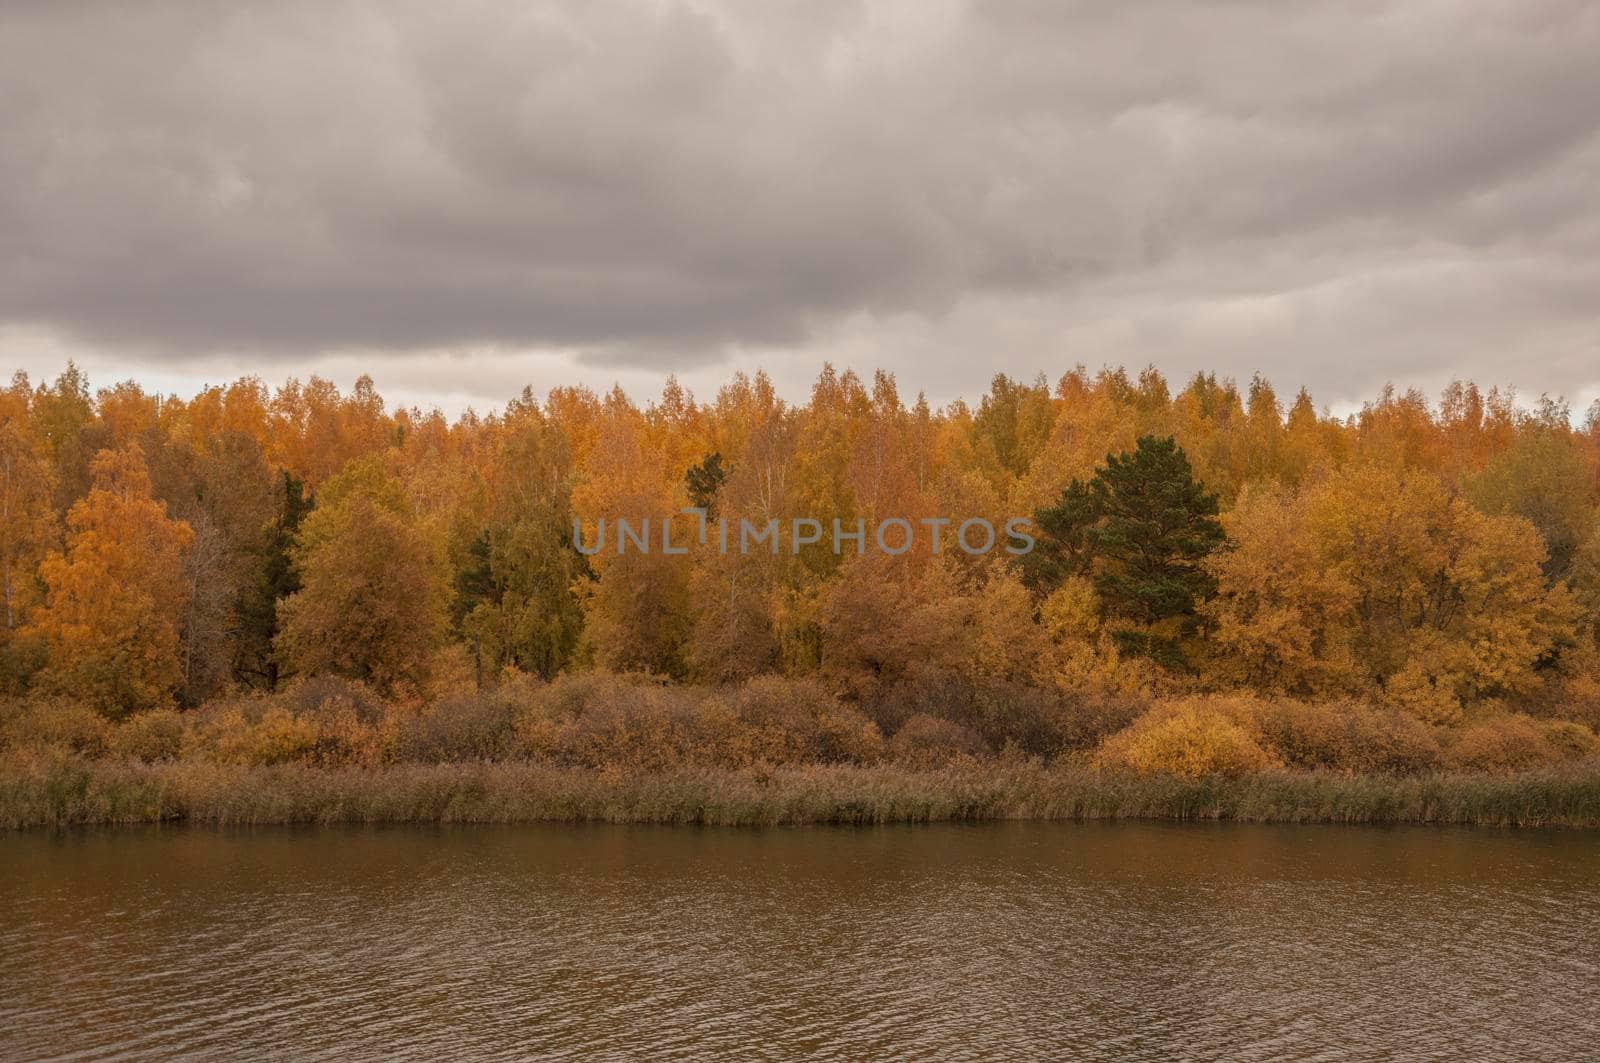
1221, 582
115, 597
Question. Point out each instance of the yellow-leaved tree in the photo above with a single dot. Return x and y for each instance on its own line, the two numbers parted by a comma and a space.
371, 603
115, 597
1379, 580
636, 602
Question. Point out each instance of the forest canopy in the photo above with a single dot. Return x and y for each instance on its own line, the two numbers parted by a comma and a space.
1428, 558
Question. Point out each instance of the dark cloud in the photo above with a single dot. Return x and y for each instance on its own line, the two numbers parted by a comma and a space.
1336, 193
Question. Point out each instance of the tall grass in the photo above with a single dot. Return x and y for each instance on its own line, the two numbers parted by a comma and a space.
70, 790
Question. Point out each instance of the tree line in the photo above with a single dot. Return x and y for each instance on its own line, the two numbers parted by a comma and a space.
1433, 557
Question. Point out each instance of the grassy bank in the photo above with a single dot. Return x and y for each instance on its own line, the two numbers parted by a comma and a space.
72, 791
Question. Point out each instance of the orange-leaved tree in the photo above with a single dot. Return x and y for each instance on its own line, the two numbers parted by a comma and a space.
114, 598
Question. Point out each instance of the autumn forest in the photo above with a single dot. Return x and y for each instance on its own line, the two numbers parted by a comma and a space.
1225, 580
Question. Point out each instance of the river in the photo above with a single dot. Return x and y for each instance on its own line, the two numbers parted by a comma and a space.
1115, 941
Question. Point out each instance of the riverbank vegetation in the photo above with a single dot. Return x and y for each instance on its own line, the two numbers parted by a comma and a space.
1228, 595
624, 749
75, 792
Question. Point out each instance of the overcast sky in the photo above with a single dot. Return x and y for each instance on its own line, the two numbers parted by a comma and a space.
462, 198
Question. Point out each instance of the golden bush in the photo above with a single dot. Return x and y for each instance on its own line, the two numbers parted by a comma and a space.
1040, 722
1423, 695
149, 736
329, 722
1501, 743
1190, 738
275, 736
1570, 740
45, 723
1579, 700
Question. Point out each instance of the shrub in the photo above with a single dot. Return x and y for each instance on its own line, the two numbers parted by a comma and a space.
1569, 740
1501, 743
601, 720
347, 722
342, 737
475, 726
1579, 701
1036, 721
275, 736
627, 723
43, 723
329, 730
1346, 736
149, 736
929, 742
1086, 720
1191, 738
785, 721
321, 696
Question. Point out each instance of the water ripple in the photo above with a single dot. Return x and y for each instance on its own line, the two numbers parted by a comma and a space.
1129, 941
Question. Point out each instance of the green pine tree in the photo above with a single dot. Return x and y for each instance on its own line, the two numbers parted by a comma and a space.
254, 658
1157, 523
1061, 550
704, 483
1141, 527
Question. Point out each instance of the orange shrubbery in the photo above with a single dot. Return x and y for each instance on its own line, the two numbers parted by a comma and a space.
1515, 742
1230, 735
1346, 736
930, 742
149, 737
782, 721
1578, 700
636, 725
462, 726
329, 722
606, 721
598, 720
53, 723
1189, 738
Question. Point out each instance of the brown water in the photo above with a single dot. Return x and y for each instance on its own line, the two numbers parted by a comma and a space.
1130, 941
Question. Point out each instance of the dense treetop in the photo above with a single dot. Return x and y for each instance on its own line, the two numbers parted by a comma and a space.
1435, 556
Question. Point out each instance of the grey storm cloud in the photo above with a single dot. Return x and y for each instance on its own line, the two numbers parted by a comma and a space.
1341, 192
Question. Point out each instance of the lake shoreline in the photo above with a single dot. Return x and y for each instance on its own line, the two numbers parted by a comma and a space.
60, 792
